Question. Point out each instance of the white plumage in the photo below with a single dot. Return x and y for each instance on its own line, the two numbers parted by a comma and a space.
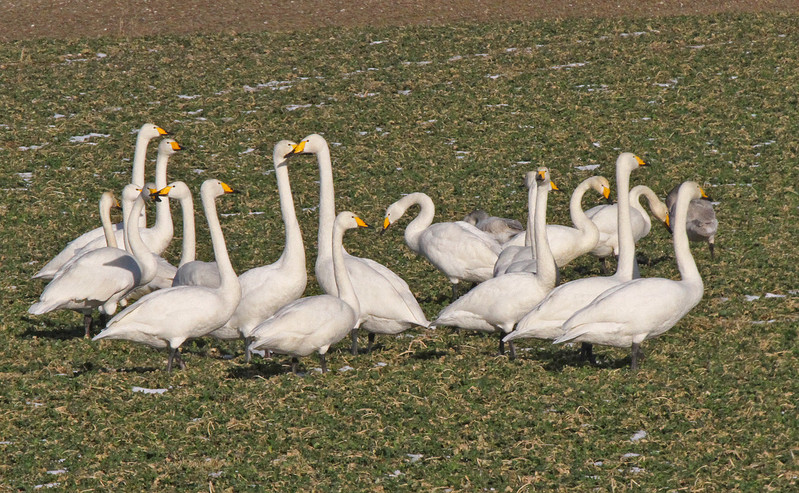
544, 321
169, 317
498, 303
642, 309
387, 305
315, 323
147, 132
101, 277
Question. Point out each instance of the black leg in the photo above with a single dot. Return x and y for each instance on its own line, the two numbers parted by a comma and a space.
354, 336
371, 342
637, 356
511, 350
169, 361
455, 291
324, 363
587, 352
247, 351
712, 249
179, 359
87, 325
294, 362
603, 266
501, 343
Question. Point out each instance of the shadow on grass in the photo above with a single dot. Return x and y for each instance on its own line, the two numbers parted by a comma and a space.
264, 368
555, 360
53, 330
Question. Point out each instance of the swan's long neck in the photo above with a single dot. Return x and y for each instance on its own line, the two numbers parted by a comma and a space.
529, 237
635, 201
144, 257
229, 281
546, 271
137, 175
327, 203
106, 203
682, 251
294, 250
626, 262
343, 282
163, 215
188, 251
576, 212
422, 220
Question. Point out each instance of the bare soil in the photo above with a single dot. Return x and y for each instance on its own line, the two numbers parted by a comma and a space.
30, 19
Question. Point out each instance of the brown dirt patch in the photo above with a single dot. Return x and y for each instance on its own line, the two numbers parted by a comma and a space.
27, 19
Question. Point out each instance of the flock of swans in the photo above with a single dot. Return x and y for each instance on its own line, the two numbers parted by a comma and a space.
515, 271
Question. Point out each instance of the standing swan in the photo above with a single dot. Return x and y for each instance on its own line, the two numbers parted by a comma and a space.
168, 317
101, 277
567, 243
642, 309
458, 249
545, 320
701, 220
605, 218
147, 132
265, 289
317, 322
387, 305
497, 304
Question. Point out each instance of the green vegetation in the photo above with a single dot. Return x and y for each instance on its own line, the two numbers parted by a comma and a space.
460, 113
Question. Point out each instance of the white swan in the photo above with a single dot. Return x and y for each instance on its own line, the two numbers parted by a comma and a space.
147, 132
315, 323
567, 243
496, 304
267, 288
701, 220
190, 272
101, 277
386, 302
168, 317
544, 321
458, 249
642, 309
501, 228
605, 218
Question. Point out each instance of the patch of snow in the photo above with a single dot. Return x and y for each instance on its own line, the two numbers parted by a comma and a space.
772, 295
415, 457
84, 138
46, 485
187, 96
57, 471
630, 455
568, 65
346, 368
638, 435
144, 390
587, 167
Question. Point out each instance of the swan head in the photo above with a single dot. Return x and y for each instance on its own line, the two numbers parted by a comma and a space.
282, 151
542, 178
601, 185
475, 216
109, 200
629, 161
349, 220
393, 213
176, 190
311, 144
168, 147
215, 188
150, 131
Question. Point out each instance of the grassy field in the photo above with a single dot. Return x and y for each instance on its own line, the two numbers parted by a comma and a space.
461, 113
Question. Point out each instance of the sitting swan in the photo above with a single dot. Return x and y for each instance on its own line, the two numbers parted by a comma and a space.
168, 317
101, 277
605, 218
496, 304
315, 323
702, 223
642, 309
501, 228
544, 321
387, 305
458, 249
147, 132
567, 243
